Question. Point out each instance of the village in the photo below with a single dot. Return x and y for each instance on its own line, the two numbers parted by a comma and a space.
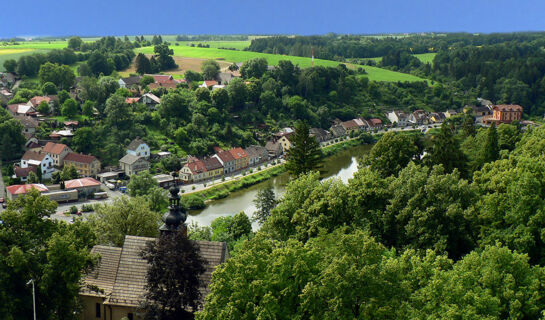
42, 164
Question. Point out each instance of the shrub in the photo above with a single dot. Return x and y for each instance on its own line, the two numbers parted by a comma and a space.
193, 202
73, 210
193, 188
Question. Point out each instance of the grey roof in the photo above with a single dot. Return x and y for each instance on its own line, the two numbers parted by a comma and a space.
212, 163
125, 271
130, 159
132, 80
224, 77
337, 130
135, 143
318, 132
28, 122
272, 145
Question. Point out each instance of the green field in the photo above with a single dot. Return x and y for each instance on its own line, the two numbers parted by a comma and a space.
426, 57
239, 45
374, 73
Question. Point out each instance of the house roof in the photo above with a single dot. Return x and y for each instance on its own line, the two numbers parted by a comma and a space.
135, 144
225, 156
129, 81
23, 172
224, 76
104, 274
31, 155
374, 122
209, 83
196, 166
318, 132
272, 145
131, 100
337, 129
35, 101
125, 271
54, 148
255, 151
130, 159
508, 107
152, 97
21, 108
162, 78
81, 183
350, 124
32, 145
28, 122
167, 85
24, 188
238, 153
212, 163
81, 158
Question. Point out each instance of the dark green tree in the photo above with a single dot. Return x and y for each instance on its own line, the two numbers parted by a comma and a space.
142, 64
491, 149
305, 154
445, 150
69, 108
210, 69
264, 201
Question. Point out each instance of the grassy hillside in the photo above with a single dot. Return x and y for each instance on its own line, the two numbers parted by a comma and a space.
374, 73
426, 57
239, 45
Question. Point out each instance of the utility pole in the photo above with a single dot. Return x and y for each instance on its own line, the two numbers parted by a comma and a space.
31, 281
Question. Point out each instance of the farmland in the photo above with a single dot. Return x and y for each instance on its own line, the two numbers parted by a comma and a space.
426, 57
239, 45
373, 73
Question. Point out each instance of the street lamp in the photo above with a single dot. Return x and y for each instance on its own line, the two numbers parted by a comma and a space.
31, 281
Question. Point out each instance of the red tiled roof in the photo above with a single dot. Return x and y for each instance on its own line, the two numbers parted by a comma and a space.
225, 156
350, 124
23, 172
31, 155
508, 107
212, 163
80, 183
238, 153
24, 188
162, 85
210, 83
131, 100
162, 78
38, 99
196, 166
54, 148
375, 121
78, 157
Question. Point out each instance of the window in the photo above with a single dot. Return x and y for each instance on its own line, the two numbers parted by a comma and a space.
97, 310
130, 316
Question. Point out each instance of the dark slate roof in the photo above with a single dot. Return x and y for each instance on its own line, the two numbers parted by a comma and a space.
135, 144
212, 163
129, 81
122, 271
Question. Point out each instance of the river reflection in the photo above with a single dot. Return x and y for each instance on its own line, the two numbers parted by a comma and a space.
342, 165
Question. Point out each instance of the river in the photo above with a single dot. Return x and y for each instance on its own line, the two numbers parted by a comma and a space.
342, 165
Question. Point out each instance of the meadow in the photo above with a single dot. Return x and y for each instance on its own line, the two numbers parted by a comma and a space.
239, 45
426, 57
373, 73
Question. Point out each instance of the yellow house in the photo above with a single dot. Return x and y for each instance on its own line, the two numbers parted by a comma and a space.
116, 287
213, 166
241, 158
87, 166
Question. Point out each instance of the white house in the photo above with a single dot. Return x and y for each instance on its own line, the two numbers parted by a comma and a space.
139, 148
398, 117
39, 160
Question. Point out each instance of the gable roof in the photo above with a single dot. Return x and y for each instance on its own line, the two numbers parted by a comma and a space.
165, 85
35, 101
350, 124
162, 78
27, 122
212, 163
209, 83
374, 122
130, 159
24, 188
54, 148
273, 146
196, 166
225, 156
24, 172
31, 155
81, 158
238, 153
152, 97
125, 271
129, 81
20, 108
508, 107
135, 144
131, 100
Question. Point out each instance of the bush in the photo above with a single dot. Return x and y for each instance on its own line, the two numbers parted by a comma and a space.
183, 190
193, 202
193, 188
73, 210
87, 208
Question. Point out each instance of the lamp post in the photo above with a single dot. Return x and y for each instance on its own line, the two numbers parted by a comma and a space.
31, 281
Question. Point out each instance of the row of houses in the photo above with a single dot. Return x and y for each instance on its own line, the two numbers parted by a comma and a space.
418, 117
343, 128
72, 188
223, 162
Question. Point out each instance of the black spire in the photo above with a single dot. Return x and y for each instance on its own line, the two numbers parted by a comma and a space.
176, 215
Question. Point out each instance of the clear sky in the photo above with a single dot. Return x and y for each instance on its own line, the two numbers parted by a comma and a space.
120, 17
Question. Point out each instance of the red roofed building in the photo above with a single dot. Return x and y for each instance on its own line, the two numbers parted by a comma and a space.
226, 160
241, 158
22, 173
131, 100
85, 164
208, 84
86, 185
162, 78
167, 86
35, 102
504, 113
375, 123
21, 189
57, 151
194, 170
39, 160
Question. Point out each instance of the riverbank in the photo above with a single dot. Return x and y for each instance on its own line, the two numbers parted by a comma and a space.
199, 198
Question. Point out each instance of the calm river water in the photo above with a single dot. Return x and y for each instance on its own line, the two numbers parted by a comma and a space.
342, 165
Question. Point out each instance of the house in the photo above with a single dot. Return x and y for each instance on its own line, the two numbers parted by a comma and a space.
218, 86
39, 160
66, 133
86, 165
57, 151
337, 131
167, 86
274, 148
226, 160
129, 82
131, 164
481, 111
257, 155
224, 78
163, 78
374, 123
418, 117
150, 100
208, 84
351, 125
115, 289
437, 117
7, 79
33, 145
21, 110
398, 117
29, 125
35, 101
131, 100
165, 181
13, 192
504, 113
320, 134
5, 96
84, 185
22, 173
450, 113
139, 148
241, 158
194, 170
213, 166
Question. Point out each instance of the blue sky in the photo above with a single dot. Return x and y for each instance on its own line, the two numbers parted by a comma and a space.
120, 17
